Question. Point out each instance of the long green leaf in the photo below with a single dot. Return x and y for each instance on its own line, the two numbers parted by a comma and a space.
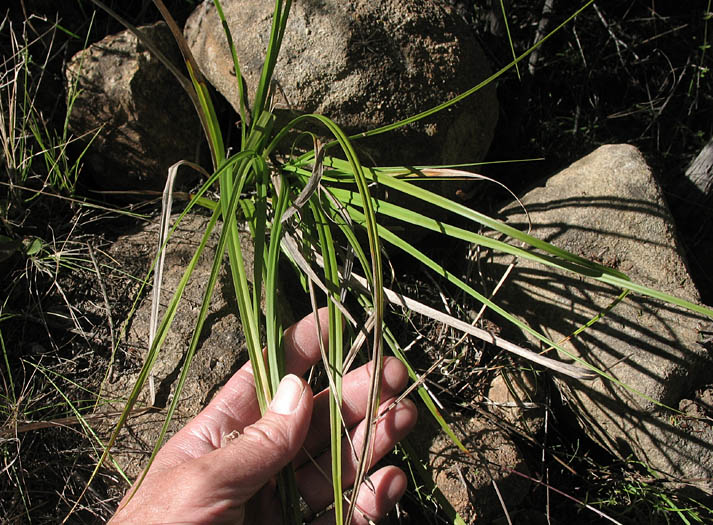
279, 23
275, 351
507, 30
242, 95
168, 316
440, 270
334, 366
481, 85
370, 225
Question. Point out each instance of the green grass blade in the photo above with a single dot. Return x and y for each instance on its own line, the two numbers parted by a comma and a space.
200, 93
168, 315
430, 263
275, 350
335, 352
255, 212
248, 316
89, 431
279, 23
242, 95
195, 87
582, 266
459, 209
507, 30
377, 285
9, 381
563, 260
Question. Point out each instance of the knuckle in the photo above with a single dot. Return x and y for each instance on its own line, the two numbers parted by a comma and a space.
268, 434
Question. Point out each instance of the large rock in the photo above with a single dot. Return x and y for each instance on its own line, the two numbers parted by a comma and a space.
136, 115
363, 64
608, 207
219, 354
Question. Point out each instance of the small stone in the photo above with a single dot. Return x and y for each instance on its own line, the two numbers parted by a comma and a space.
517, 396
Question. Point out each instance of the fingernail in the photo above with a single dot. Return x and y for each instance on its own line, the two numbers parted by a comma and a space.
288, 395
396, 489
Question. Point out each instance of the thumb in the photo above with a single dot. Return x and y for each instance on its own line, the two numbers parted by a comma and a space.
216, 486
246, 463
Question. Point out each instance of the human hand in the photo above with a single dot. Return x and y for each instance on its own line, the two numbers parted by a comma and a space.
196, 480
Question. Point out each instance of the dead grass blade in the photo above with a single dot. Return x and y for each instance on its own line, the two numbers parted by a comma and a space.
166, 206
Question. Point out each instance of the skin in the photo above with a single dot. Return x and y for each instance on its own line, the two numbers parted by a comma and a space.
207, 473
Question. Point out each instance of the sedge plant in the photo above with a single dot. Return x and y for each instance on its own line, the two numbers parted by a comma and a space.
316, 209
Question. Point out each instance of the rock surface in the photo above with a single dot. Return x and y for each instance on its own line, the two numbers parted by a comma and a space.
467, 480
138, 117
695, 419
608, 207
219, 354
363, 64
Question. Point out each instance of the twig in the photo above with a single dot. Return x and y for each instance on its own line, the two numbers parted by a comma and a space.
539, 34
500, 498
68, 421
579, 46
547, 469
81, 202
562, 493
617, 41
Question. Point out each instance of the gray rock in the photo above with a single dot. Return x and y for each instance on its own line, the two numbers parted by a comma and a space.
608, 207
138, 117
220, 352
363, 64
467, 480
